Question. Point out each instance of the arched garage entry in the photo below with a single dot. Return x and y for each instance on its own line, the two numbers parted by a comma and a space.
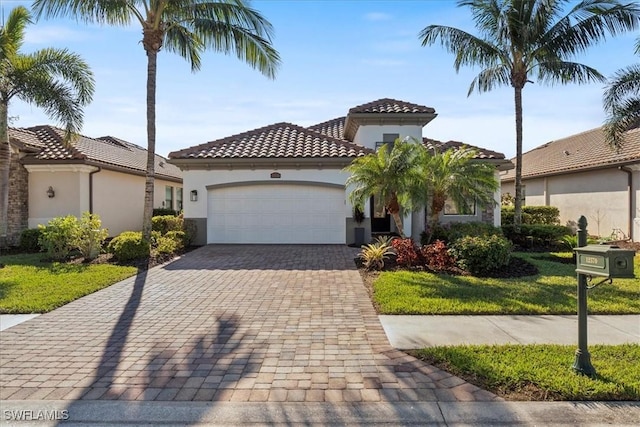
284, 212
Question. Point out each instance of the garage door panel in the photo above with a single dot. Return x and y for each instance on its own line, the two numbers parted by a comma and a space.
279, 213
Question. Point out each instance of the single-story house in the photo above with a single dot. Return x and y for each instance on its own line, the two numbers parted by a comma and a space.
582, 175
285, 183
104, 175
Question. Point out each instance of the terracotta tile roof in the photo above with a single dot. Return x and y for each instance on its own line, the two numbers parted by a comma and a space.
108, 151
586, 150
443, 146
333, 128
388, 105
280, 140
25, 138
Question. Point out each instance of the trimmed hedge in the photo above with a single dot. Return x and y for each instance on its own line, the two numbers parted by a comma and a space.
129, 246
481, 255
537, 234
167, 223
451, 232
547, 215
29, 240
164, 211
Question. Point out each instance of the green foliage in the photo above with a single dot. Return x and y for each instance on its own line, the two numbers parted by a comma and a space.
165, 212
29, 239
59, 236
481, 255
437, 257
129, 246
551, 291
547, 215
29, 284
451, 232
536, 234
167, 223
543, 370
90, 236
181, 238
406, 254
167, 246
374, 254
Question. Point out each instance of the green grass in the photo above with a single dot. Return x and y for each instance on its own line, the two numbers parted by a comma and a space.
30, 285
543, 372
552, 291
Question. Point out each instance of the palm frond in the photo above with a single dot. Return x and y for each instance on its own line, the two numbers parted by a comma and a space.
553, 72
12, 32
112, 12
624, 83
179, 39
490, 78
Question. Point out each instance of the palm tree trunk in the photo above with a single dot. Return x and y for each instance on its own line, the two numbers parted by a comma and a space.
5, 163
152, 56
517, 215
398, 220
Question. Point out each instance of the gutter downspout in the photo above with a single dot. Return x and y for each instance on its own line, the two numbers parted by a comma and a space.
91, 188
630, 197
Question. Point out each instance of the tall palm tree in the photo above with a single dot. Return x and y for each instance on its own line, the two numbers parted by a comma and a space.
522, 39
454, 174
55, 80
185, 27
393, 174
622, 102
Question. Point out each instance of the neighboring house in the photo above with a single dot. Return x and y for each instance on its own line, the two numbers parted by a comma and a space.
285, 183
581, 175
105, 176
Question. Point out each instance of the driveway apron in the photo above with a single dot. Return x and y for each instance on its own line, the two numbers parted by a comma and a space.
260, 323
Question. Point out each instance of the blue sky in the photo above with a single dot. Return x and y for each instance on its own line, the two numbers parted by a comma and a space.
335, 55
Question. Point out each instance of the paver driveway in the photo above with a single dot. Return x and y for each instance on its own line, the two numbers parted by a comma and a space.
240, 323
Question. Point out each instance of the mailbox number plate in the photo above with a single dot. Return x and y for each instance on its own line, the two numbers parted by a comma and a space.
593, 261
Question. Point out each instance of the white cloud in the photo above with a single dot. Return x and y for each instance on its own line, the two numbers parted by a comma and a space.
377, 16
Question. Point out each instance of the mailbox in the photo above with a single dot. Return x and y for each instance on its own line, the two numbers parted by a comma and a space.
605, 261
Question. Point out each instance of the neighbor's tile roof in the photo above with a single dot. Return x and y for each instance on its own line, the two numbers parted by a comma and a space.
482, 153
388, 105
105, 150
280, 140
333, 128
585, 150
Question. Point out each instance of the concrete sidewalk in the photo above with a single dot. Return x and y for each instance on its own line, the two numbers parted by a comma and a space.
118, 413
413, 332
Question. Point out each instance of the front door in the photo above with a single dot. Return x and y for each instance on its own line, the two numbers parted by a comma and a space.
380, 218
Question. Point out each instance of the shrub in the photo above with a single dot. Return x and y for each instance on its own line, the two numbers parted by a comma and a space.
90, 235
164, 211
128, 246
167, 246
437, 257
406, 254
433, 233
29, 240
374, 254
481, 255
59, 236
547, 215
536, 234
166, 223
449, 233
180, 237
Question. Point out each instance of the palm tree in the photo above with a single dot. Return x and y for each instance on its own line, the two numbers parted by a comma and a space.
56, 80
525, 38
185, 27
622, 102
455, 174
393, 174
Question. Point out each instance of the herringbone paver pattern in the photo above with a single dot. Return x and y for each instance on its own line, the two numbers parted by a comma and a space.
240, 323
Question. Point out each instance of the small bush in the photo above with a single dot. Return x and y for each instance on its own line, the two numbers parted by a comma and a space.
544, 215
406, 254
167, 246
481, 255
433, 233
536, 234
166, 223
129, 246
29, 240
374, 254
90, 235
59, 236
164, 211
458, 230
437, 257
180, 237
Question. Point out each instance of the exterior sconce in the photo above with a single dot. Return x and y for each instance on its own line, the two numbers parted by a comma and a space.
51, 193
194, 195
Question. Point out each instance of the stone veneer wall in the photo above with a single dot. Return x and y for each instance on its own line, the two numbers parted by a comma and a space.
18, 215
487, 214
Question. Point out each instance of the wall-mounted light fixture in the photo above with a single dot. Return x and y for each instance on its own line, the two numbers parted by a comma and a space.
51, 193
194, 195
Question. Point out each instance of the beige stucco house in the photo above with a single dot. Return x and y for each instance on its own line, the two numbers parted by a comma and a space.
104, 175
581, 175
285, 183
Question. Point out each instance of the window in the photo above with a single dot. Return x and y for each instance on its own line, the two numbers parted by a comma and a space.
450, 208
179, 199
168, 202
387, 138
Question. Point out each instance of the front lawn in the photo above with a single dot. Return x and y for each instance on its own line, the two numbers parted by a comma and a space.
552, 291
542, 372
30, 285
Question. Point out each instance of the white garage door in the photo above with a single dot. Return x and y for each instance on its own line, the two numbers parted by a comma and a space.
276, 213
